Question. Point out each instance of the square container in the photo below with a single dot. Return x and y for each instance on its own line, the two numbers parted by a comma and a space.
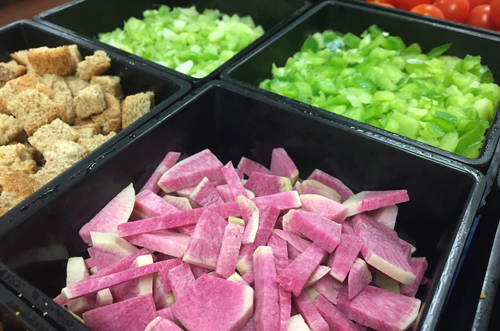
355, 17
234, 122
88, 18
135, 78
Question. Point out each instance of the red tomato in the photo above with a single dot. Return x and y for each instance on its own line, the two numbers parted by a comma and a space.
480, 16
409, 4
385, 5
454, 10
495, 12
380, 2
428, 10
475, 3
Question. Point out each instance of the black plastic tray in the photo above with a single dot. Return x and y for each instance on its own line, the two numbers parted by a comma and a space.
355, 17
235, 122
135, 78
87, 18
15, 315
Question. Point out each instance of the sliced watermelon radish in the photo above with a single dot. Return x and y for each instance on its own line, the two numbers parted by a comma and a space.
285, 305
280, 251
283, 201
180, 203
198, 271
186, 192
293, 253
231, 243
297, 323
286, 224
311, 186
170, 221
162, 324
295, 241
264, 184
323, 206
347, 227
359, 278
311, 293
249, 278
332, 182
250, 325
418, 266
282, 165
205, 243
167, 163
77, 272
181, 278
342, 259
408, 248
205, 194
319, 273
214, 304
322, 231
312, 317
250, 214
371, 200
227, 209
267, 311
236, 278
383, 281
121, 265
162, 299
100, 283
227, 195
132, 315
148, 204
166, 313
295, 275
328, 287
248, 167
165, 280
335, 319
296, 187
117, 211
382, 249
135, 287
379, 309
233, 181
191, 171
385, 215
166, 242
104, 298
108, 248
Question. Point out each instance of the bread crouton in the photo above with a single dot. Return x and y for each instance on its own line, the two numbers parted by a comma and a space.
88, 131
92, 143
5, 75
111, 118
89, 101
46, 135
29, 81
76, 55
57, 60
4, 107
16, 186
9, 128
35, 109
21, 57
109, 84
62, 156
83, 121
93, 65
16, 69
134, 106
62, 94
75, 84
16, 158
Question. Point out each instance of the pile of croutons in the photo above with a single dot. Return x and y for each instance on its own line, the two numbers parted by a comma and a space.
55, 108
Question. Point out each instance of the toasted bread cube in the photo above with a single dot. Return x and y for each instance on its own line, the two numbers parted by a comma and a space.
16, 69
48, 134
83, 121
21, 57
93, 65
75, 84
29, 81
88, 131
92, 143
62, 156
4, 109
62, 94
134, 106
9, 128
35, 109
109, 84
111, 118
16, 158
56, 60
16, 186
5, 75
89, 101
75, 54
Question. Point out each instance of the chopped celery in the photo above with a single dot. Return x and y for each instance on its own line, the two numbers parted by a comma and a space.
440, 100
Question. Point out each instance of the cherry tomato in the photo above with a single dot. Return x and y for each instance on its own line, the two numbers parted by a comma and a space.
480, 16
380, 2
475, 3
385, 5
495, 12
409, 4
454, 10
428, 10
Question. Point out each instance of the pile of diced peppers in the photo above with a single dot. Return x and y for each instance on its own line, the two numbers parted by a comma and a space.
183, 39
443, 101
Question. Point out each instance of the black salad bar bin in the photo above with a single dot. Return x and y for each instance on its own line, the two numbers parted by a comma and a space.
234, 122
134, 77
88, 18
356, 17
